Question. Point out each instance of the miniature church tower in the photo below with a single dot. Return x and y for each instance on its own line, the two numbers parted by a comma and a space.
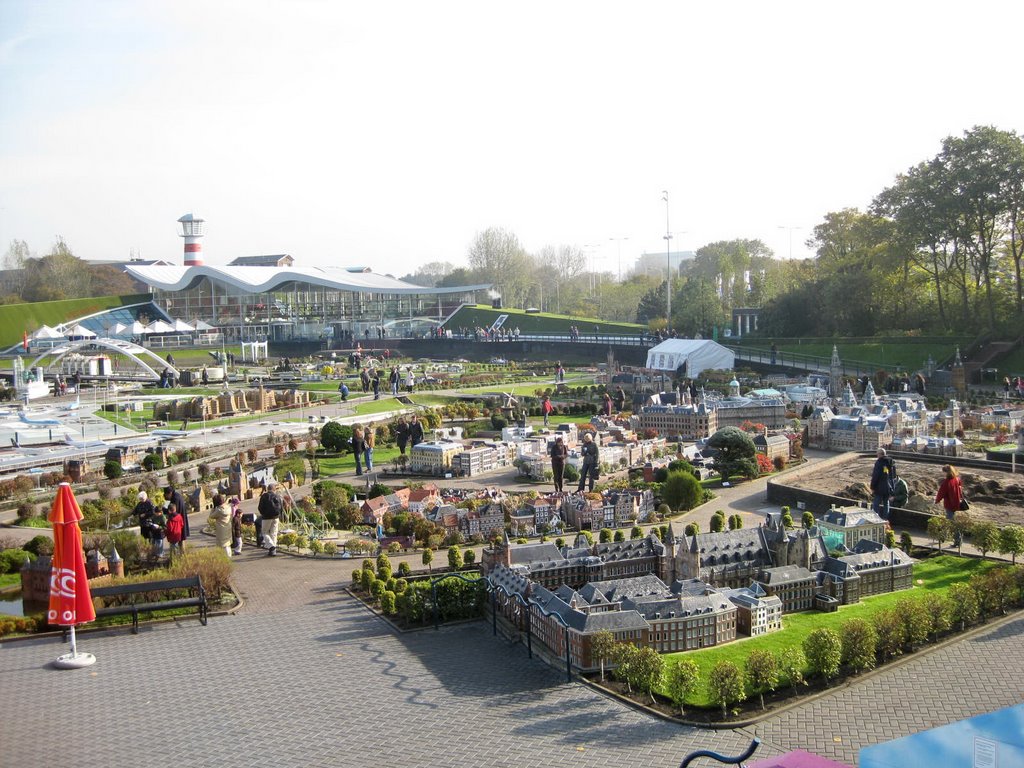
734, 388
849, 399
870, 398
835, 373
959, 376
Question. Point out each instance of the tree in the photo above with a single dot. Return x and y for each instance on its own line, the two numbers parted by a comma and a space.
335, 437
985, 536
824, 652
497, 256
384, 569
469, 556
891, 633
939, 612
917, 622
454, 557
636, 532
428, 558
682, 491
735, 522
963, 604
645, 670
602, 645
717, 523
906, 542
807, 519
681, 680
605, 535
988, 598
620, 535
938, 529
58, 275
762, 669
112, 470
859, 644
1011, 541
735, 452
791, 664
14, 262
725, 685
691, 529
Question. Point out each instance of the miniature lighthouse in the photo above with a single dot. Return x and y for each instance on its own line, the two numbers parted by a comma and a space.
192, 231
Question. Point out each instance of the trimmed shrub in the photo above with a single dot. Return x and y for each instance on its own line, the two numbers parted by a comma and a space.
210, 564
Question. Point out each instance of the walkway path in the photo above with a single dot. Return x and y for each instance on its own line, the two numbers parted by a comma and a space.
303, 675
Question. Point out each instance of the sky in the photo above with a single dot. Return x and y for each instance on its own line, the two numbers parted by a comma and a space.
388, 134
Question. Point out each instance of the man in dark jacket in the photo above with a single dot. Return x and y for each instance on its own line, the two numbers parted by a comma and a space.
271, 506
883, 481
415, 431
590, 465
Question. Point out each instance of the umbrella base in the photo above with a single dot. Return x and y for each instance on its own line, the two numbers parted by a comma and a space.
74, 661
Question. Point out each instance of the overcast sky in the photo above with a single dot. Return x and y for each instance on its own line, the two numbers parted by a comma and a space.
388, 134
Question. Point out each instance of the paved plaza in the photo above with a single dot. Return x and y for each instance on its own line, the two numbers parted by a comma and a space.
303, 675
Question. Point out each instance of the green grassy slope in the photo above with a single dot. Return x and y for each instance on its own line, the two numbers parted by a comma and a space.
16, 319
542, 322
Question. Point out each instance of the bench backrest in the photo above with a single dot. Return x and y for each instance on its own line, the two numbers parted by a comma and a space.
116, 590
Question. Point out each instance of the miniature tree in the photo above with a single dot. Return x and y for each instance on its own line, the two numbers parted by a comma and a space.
691, 529
917, 622
620, 535
985, 536
960, 526
404, 569
791, 664
938, 529
428, 558
859, 644
787, 520
717, 522
387, 602
681, 680
602, 646
454, 557
964, 604
1011, 541
824, 652
645, 670
384, 569
891, 633
469, 557
605, 536
762, 668
807, 519
987, 596
939, 611
735, 452
725, 685
906, 543
682, 491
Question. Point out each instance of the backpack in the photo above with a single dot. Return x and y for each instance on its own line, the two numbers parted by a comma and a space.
892, 478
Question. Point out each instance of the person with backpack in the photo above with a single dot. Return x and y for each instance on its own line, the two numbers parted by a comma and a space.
883, 484
270, 508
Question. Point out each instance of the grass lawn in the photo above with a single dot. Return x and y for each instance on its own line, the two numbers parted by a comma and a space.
347, 464
935, 574
9, 580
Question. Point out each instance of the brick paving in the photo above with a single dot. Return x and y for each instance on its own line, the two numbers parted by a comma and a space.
304, 675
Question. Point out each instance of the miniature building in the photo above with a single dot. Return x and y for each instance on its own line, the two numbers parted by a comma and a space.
853, 524
793, 585
433, 458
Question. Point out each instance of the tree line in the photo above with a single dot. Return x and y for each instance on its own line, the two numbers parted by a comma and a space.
57, 275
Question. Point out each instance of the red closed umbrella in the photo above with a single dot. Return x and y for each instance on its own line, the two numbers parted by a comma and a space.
70, 601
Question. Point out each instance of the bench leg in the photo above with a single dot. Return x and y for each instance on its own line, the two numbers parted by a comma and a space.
203, 617
135, 622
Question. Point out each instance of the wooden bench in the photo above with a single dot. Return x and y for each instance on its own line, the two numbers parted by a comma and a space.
196, 598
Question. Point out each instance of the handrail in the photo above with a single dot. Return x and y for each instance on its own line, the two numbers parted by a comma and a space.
738, 760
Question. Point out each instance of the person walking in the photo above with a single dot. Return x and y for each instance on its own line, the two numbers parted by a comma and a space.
410, 380
401, 434
369, 440
358, 447
606, 405
883, 483
364, 379
589, 467
951, 496
220, 519
236, 525
375, 384
620, 399
393, 379
270, 508
415, 431
559, 453
546, 408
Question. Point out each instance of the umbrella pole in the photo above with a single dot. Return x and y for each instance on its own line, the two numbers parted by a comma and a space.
74, 648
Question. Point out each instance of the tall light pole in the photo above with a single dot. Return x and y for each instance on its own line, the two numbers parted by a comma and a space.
618, 242
790, 238
668, 264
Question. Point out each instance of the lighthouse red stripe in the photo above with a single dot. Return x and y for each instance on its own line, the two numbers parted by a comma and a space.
193, 247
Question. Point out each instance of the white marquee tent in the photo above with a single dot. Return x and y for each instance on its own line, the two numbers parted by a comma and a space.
696, 354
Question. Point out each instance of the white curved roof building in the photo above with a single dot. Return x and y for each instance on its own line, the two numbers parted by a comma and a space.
281, 302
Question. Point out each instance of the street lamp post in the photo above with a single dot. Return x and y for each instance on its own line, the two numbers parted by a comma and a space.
618, 242
668, 264
790, 238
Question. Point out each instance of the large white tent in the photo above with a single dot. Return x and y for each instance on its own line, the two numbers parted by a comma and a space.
696, 354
